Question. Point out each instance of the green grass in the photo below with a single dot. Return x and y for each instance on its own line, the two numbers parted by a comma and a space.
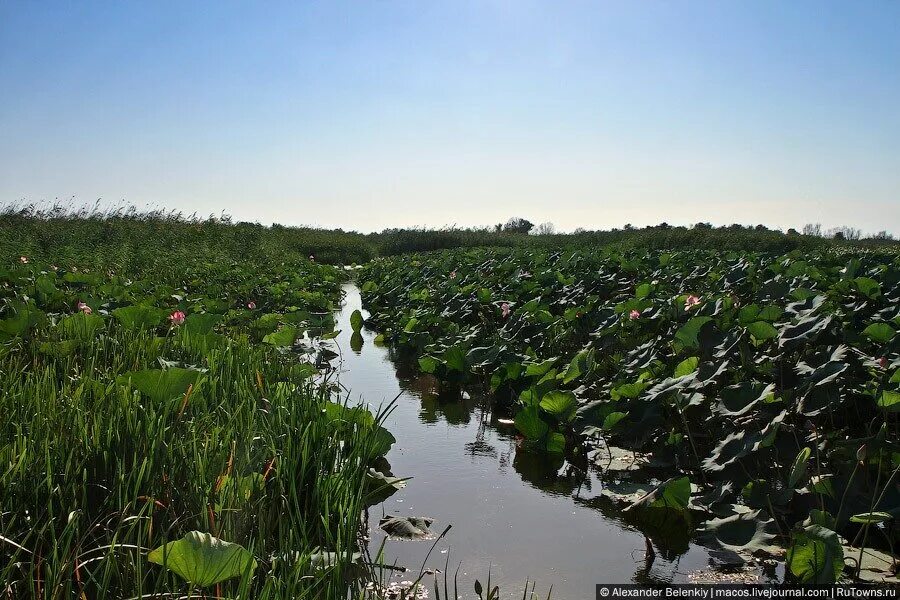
96, 470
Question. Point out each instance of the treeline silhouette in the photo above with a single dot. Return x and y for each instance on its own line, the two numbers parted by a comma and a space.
135, 239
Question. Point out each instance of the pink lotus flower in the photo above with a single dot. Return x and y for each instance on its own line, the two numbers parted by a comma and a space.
634, 314
883, 362
452, 274
84, 308
23, 260
251, 305
691, 301
504, 309
177, 317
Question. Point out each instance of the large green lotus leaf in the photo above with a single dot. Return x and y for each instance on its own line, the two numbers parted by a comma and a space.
25, 317
686, 336
819, 399
203, 560
283, 337
139, 316
629, 390
804, 331
815, 555
384, 439
406, 528
162, 384
735, 445
673, 494
879, 332
613, 419
823, 374
60, 349
889, 401
81, 326
356, 320
744, 532
868, 286
762, 330
529, 423
581, 365
738, 400
455, 359
686, 367
556, 443
738, 444
201, 323
428, 364
45, 284
352, 414
561, 405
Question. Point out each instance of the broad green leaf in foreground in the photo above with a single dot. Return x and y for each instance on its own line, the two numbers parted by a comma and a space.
203, 560
561, 405
816, 556
162, 384
879, 332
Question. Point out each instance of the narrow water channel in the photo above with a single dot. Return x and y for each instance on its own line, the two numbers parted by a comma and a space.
513, 511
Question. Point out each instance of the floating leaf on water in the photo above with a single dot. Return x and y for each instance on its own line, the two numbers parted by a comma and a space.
407, 528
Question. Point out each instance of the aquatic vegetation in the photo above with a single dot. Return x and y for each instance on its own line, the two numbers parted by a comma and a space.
762, 388
162, 434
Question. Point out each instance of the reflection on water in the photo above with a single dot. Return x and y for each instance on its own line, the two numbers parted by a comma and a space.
523, 514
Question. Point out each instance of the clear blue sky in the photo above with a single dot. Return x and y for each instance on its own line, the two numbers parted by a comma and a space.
375, 114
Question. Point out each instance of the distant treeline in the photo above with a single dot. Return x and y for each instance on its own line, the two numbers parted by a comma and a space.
136, 240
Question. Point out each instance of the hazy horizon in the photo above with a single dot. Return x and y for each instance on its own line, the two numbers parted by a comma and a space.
365, 116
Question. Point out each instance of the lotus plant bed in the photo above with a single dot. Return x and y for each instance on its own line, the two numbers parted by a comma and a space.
173, 435
747, 401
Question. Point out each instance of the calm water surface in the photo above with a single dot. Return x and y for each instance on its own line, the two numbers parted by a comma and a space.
513, 511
